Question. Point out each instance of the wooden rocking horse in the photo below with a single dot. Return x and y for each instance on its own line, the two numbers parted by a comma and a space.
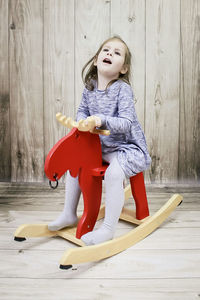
80, 153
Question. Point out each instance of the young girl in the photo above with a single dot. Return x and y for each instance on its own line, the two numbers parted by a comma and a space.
108, 98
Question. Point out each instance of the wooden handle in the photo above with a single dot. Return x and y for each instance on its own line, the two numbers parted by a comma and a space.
69, 123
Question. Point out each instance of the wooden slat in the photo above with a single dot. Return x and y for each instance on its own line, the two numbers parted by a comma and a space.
13, 218
26, 90
11, 187
92, 28
129, 264
156, 288
58, 67
41, 197
128, 21
129, 215
5, 162
162, 88
176, 238
166, 263
53, 40
189, 154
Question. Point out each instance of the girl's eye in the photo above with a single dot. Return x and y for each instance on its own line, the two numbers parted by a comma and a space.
105, 49
116, 52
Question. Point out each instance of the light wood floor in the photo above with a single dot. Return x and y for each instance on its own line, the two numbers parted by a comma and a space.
166, 265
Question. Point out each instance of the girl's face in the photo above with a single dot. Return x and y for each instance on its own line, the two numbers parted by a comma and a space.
110, 61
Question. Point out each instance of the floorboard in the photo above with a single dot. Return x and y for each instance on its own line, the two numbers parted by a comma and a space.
165, 265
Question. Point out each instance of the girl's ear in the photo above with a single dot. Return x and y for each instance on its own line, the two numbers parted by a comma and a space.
124, 69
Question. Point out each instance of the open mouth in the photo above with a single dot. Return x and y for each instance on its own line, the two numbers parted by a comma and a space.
107, 61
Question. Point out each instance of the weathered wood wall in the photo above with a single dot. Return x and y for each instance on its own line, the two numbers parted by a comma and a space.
44, 45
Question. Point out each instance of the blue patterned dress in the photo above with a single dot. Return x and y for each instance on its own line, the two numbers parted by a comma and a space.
115, 107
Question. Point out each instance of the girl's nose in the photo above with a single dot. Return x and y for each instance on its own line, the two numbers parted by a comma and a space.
109, 53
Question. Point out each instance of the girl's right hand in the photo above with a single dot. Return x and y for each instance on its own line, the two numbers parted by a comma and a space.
93, 121
89, 124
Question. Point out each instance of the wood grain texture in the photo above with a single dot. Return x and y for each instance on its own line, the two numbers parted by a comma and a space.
162, 88
5, 161
178, 240
45, 44
189, 154
165, 265
95, 288
26, 90
58, 67
117, 245
92, 28
130, 264
128, 21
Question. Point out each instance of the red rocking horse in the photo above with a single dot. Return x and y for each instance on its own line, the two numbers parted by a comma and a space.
80, 153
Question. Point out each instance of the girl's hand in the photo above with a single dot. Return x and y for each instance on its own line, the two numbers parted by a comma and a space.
89, 124
94, 121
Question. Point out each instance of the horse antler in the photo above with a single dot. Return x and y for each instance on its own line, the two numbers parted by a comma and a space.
69, 123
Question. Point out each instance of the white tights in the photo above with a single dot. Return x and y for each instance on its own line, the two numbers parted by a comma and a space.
114, 201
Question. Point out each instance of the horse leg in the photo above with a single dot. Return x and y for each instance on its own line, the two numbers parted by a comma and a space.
139, 195
91, 187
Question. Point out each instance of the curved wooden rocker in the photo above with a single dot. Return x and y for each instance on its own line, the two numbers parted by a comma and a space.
80, 153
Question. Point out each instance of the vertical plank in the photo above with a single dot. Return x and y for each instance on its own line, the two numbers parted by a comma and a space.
58, 67
5, 167
189, 153
128, 21
92, 27
162, 87
26, 90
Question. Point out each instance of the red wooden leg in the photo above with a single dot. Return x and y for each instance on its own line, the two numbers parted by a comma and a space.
139, 195
91, 187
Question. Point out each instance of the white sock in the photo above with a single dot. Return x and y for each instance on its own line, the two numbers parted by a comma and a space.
114, 202
62, 221
68, 217
98, 236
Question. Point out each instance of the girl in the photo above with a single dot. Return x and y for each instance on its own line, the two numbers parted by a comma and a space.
108, 98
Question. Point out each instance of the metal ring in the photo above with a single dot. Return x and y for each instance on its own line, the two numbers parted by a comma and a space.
54, 186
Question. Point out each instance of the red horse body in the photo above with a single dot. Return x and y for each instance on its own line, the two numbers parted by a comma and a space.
80, 153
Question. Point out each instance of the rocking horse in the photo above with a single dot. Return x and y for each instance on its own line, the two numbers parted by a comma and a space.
80, 153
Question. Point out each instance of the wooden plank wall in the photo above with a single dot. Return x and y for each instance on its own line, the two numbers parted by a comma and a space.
44, 45
189, 159
162, 87
26, 89
5, 154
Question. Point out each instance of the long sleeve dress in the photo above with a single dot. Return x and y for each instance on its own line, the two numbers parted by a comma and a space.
115, 107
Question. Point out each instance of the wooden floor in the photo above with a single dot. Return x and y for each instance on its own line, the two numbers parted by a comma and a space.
166, 265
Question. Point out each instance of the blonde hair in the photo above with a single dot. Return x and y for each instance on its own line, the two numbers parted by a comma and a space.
91, 74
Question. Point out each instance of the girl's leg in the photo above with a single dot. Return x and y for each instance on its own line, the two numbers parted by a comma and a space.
114, 202
68, 216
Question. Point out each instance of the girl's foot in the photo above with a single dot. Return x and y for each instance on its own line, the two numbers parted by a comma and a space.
98, 236
62, 221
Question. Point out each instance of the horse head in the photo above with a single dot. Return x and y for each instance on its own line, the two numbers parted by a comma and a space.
75, 151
